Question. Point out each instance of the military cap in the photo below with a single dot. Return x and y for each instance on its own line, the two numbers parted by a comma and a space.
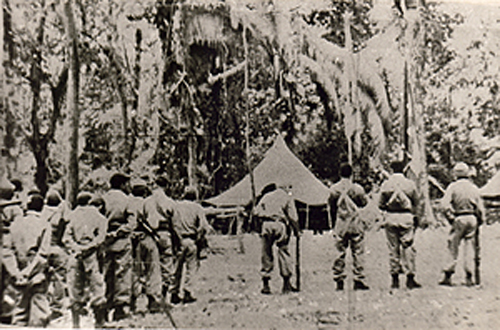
461, 170
118, 179
83, 198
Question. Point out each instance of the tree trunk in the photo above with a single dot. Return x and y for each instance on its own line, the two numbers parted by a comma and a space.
2, 100
349, 110
247, 117
418, 162
72, 102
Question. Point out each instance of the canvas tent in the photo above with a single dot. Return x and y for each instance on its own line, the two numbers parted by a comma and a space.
491, 196
282, 167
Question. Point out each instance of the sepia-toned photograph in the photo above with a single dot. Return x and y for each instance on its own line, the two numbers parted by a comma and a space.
250, 164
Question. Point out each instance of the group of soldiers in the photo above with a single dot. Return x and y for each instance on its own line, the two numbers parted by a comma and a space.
398, 202
132, 242
110, 251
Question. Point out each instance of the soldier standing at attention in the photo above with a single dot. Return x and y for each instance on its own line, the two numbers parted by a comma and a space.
190, 226
278, 214
118, 262
464, 210
158, 243
53, 212
84, 235
30, 243
398, 200
349, 229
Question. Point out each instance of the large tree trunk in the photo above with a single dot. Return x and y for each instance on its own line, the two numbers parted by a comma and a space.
2, 101
72, 102
414, 99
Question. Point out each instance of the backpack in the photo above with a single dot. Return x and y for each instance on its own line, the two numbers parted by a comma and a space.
399, 200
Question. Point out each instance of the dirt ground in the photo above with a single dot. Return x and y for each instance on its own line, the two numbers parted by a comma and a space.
229, 290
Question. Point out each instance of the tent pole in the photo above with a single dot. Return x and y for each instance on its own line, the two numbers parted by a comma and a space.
307, 217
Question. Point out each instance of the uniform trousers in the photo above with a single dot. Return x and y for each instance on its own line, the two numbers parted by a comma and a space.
275, 232
148, 270
463, 228
118, 266
83, 274
400, 232
32, 305
58, 259
357, 243
187, 256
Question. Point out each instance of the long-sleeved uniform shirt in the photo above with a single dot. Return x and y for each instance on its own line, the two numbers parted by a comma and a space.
29, 241
357, 195
462, 198
54, 216
158, 211
121, 220
189, 219
278, 205
391, 199
86, 229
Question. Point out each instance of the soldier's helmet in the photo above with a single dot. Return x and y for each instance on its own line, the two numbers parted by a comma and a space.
461, 170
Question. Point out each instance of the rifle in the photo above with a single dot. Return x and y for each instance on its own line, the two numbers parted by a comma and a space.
297, 263
161, 243
477, 257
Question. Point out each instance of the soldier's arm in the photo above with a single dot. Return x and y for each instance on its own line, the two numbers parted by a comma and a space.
446, 204
362, 197
68, 240
9, 260
39, 262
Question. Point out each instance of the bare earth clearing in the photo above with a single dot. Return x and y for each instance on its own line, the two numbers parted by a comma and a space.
229, 290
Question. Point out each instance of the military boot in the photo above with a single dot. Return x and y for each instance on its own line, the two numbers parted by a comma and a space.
188, 298
359, 285
266, 289
468, 279
174, 298
447, 279
395, 281
411, 283
287, 286
340, 285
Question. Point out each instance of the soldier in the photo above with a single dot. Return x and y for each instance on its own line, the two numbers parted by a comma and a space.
30, 243
190, 225
160, 238
10, 209
118, 262
398, 201
84, 235
147, 271
53, 213
278, 214
464, 210
349, 229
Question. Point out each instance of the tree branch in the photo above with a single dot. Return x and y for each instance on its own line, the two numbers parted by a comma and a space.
58, 92
235, 69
